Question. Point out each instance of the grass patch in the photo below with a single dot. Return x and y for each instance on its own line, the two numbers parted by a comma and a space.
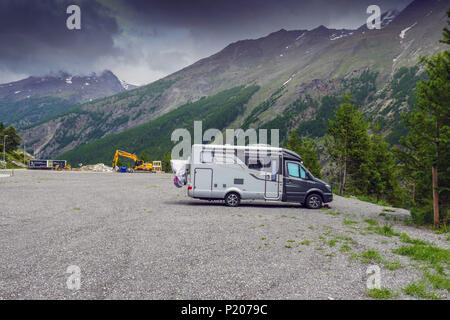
388, 210
406, 239
332, 213
419, 290
332, 243
382, 214
291, 240
428, 253
288, 246
373, 200
379, 293
349, 222
77, 209
305, 242
392, 265
438, 281
345, 248
370, 255
386, 230
372, 222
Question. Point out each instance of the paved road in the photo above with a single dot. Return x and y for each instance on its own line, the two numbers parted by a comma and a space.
137, 236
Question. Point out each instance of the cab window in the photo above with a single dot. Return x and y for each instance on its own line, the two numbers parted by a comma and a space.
302, 173
293, 170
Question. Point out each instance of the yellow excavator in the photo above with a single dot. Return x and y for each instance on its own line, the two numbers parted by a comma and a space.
139, 165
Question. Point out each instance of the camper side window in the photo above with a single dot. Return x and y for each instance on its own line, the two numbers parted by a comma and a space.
206, 157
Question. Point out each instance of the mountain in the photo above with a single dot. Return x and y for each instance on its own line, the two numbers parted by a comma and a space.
27, 101
301, 76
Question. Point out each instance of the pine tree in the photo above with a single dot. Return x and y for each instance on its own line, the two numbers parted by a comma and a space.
429, 136
446, 32
293, 142
13, 139
348, 145
310, 158
165, 162
307, 150
383, 173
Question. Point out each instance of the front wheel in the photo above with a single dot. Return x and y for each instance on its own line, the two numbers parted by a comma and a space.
232, 199
313, 201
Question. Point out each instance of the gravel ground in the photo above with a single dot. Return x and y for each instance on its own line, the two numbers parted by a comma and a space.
136, 236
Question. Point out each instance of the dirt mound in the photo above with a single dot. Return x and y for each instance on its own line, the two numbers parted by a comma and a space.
99, 167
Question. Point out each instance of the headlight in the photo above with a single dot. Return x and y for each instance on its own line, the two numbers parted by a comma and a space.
328, 187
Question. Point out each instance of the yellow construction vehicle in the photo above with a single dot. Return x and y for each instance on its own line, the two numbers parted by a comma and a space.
139, 165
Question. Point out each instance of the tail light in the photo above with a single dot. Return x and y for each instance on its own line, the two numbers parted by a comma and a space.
190, 188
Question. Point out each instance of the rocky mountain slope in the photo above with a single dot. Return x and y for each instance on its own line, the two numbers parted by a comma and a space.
295, 71
24, 102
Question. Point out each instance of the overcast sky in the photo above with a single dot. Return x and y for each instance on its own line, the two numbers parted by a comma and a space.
144, 40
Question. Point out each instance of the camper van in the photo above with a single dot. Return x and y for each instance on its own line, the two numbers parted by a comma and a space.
255, 172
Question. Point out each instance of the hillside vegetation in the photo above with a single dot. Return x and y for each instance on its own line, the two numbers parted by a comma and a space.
153, 137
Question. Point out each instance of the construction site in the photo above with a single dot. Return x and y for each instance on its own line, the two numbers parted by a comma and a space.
134, 164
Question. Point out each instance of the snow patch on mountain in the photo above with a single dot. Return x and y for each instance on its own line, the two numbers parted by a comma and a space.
403, 32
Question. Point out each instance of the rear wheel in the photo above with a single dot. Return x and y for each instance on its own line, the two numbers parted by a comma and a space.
232, 199
313, 201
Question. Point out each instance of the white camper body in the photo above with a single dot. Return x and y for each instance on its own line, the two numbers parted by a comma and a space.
256, 172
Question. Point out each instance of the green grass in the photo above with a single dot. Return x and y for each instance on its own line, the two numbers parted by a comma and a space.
406, 239
305, 242
332, 213
332, 243
77, 209
392, 265
419, 290
379, 293
427, 253
388, 210
438, 281
372, 222
349, 222
372, 200
345, 248
386, 230
371, 255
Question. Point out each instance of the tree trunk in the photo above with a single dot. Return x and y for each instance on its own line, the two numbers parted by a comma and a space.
435, 196
344, 178
435, 179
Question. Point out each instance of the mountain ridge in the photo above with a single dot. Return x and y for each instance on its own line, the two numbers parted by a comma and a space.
299, 61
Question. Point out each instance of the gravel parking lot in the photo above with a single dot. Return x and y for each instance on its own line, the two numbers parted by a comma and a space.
136, 236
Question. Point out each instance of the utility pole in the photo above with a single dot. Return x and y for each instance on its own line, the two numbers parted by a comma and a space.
4, 147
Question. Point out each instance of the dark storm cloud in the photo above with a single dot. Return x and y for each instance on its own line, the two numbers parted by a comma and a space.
34, 37
253, 16
142, 40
